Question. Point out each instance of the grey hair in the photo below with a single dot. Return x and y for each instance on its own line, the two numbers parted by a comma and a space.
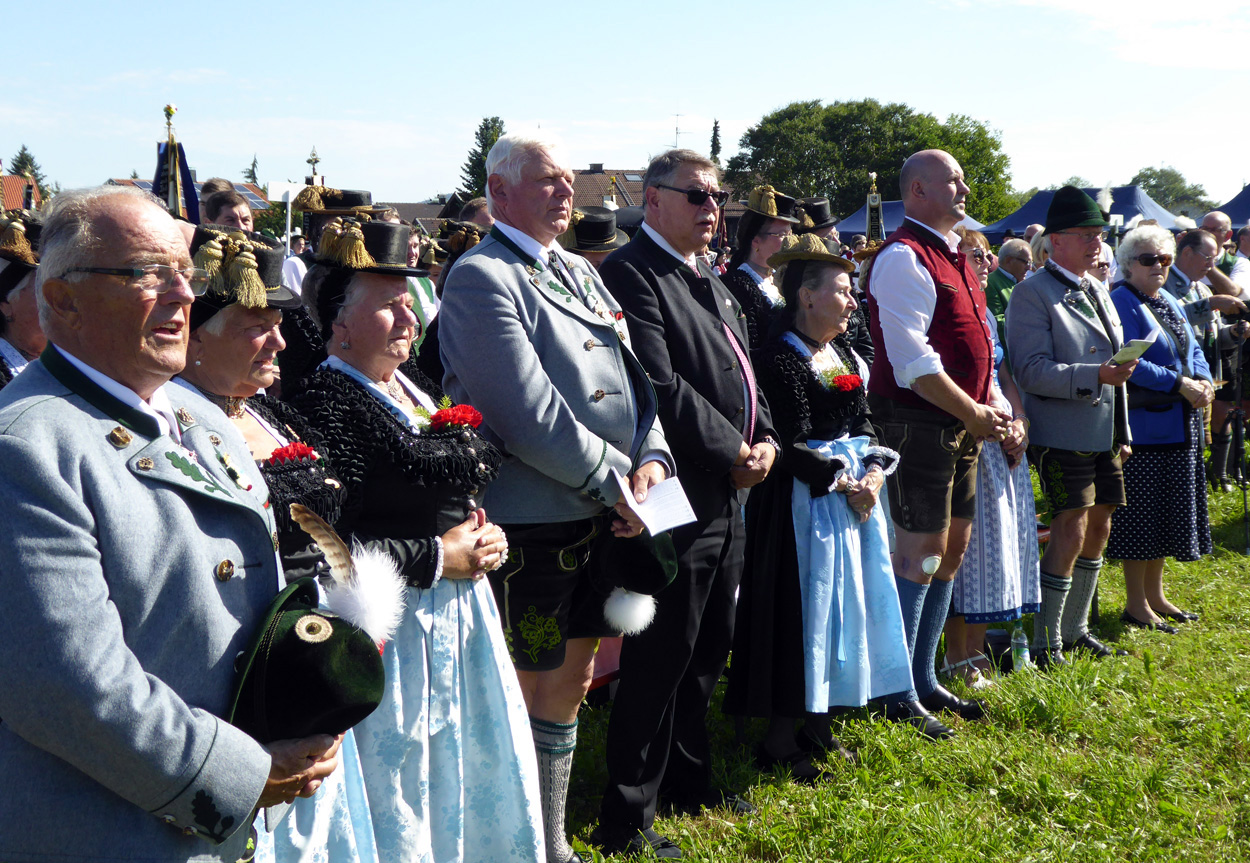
663, 168
1012, 248
1145, 235
509, 156
69, 238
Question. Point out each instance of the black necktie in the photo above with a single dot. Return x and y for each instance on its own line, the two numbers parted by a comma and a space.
566, 279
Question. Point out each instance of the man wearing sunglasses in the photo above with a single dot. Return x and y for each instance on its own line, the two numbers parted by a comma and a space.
1062, 330
136, 566
692, 338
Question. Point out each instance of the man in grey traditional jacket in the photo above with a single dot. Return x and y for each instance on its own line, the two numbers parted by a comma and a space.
531, 338
134, 569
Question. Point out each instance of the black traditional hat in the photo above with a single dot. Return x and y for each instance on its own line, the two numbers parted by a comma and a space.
336, 202
814, 214
19, 247
628, 573
767, 201
243, 268
370, 247
594, 230
1072, 208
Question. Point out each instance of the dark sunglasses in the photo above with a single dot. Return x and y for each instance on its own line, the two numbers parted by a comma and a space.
979, 256
699, 197
1151, 260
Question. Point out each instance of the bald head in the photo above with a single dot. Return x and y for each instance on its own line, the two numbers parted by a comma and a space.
933, 189
1032, 231
1218, 224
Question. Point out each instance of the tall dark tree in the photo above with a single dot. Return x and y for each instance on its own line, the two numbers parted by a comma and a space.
134, 175
715, 151
473, 174
249, 173
1171, 191
809, 149
24, 163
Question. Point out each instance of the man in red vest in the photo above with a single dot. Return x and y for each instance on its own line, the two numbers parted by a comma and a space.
932, 400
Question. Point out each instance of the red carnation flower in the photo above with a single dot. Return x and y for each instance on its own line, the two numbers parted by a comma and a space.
460, 415
618, 315
294, 451
846, 383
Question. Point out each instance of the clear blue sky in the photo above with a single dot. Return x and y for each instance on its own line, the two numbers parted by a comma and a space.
390, 93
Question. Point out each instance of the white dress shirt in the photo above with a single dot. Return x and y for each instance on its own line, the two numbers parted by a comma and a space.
158, 406
906, 299
293, 271
666, 246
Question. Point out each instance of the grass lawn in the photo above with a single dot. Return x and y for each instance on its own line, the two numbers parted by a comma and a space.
1141, 757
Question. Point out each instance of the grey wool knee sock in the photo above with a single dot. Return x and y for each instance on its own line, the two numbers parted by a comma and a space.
1075, 621
554, 743
1046, 623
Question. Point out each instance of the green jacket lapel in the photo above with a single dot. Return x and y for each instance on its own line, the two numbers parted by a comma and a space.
77, 382
539, 274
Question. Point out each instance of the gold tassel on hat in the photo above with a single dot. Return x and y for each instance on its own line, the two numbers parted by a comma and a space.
762, 200
311, 198
243, 278
13, 239
208, 258
349, 248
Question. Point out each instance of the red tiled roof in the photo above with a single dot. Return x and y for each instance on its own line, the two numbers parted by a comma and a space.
13, 192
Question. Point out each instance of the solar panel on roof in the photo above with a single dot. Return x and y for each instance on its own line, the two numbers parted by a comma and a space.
633, 178
145, 185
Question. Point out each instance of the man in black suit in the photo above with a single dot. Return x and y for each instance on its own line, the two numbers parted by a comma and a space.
691, 337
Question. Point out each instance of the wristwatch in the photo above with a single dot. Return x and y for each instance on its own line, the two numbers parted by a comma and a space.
772, 441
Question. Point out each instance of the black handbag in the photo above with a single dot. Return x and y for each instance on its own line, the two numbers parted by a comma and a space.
1141, 397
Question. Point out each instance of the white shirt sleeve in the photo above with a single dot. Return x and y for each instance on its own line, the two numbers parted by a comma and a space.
906, 299
1241, 274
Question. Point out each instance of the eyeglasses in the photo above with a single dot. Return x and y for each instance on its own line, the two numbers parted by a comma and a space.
699, 197
776, 233
1151, 260
157, 278
1089, 238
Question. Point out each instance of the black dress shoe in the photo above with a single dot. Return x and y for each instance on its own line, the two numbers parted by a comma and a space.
943, 699
1045, 660
813, 745
1141, 624
798, 764
1092, 646
913, 713
613, 843
712, 798
1180, 616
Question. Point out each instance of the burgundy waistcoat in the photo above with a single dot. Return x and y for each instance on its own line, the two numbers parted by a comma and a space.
957, 331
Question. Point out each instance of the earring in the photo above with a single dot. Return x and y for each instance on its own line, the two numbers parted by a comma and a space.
809, 305
199, 362
345, 345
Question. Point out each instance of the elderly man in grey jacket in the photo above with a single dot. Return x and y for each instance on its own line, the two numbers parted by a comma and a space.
531, 338
134, 567
1062, 331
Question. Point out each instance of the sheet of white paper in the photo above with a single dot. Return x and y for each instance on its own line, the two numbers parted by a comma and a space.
665, 508
1134, 349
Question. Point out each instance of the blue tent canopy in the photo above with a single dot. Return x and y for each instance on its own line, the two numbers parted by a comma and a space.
1238, 209
1127, 201
892, 211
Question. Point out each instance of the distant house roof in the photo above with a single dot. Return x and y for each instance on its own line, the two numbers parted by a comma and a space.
255, 194
13, 192
592, 185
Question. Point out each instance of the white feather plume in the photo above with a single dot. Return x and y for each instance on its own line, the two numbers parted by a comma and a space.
1104, 199
628, 612
373, 600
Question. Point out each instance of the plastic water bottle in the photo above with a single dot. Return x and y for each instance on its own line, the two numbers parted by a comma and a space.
1020, 649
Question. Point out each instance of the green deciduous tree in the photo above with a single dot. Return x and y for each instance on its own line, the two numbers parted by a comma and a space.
1075, 180
473, 174
808, 148
1170, 190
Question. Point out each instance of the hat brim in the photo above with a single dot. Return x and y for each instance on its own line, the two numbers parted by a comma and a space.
280, 297
414, 272
832, 220
788, 219
619, 241
780, 258
303, 590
